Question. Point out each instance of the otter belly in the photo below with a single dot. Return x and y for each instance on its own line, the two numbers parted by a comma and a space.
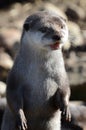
39, 95
44, 122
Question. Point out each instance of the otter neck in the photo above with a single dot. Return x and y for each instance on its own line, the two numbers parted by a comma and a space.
40, 55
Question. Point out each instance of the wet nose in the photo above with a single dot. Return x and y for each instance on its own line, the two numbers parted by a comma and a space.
56, 37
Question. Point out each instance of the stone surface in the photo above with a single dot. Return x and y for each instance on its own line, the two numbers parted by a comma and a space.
74, 12
10, 38
2, 89
5, 60
75, 34
78, 120
6, 63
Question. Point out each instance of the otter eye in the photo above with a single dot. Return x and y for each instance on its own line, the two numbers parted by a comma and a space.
43, 30
26, 26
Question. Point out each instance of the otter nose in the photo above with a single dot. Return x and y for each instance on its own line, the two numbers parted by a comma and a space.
56, 37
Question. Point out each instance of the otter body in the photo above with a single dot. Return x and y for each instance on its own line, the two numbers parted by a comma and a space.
37, 88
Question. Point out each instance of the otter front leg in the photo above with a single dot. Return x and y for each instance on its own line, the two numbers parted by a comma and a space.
15, 103
18, 113
20, 120
62, 101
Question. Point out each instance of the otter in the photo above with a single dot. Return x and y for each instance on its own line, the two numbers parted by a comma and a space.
38, 87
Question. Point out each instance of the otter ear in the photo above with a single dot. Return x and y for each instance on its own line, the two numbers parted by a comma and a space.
26, 26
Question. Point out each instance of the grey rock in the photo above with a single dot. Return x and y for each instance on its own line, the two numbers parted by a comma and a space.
2, 89
5, 60
75, 12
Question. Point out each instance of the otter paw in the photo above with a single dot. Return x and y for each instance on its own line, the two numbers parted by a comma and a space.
21, 123
66, 113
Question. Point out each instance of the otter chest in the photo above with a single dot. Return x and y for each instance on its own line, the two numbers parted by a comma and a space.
42, 79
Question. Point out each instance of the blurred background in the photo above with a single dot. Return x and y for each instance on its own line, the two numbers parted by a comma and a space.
12, 16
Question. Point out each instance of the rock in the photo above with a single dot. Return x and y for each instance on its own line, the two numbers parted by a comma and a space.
84, 35
55, 9
10, 38
6, 61
3, 104
2, 89
75, 35
67, 45
78, 113
15, 10
76, 68
74, 12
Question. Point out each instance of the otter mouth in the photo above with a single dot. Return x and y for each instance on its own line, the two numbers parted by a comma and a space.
55, 46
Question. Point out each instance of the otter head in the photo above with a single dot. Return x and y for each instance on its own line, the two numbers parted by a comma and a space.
45, 30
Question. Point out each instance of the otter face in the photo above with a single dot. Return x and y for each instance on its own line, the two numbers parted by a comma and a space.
45, 30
